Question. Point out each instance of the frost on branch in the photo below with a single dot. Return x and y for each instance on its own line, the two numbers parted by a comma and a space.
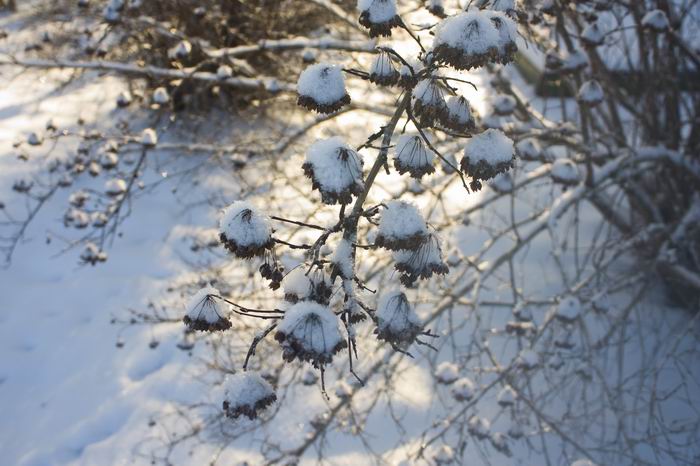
383, 71
401, 226
420, 262
412, 156
244, 231
321, 87
379, 16
205, 312
335, 170
310, 332
565, 171
463, 389
247, 394
447, 373
459, 116
590, 93
486, 155
428, 102
397, 321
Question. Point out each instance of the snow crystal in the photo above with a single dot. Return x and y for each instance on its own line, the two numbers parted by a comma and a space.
161, 96
656, 20
336, 170
504, 104
569, 309
310, 332
246, 393
506, 397
224, 72
590, 92
463, 389
459, 114
466, 40
528, 149
204, 312
383, 71
411, 155
397, 321
565, 171
447, 372
321, 87
401, 226
149, 137
244, 230
342, 259
115, 187
592, 35
492, 147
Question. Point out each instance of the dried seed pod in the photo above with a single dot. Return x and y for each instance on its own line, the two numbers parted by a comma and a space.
467, 40
421, 262
459, 116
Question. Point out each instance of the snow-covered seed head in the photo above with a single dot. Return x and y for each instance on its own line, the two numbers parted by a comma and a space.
335, 170
109, 160
310, 332
161, 96
379, 16
421, 262
300, 286
181, 51
408, 73
99, 219
401, 226
506, 397
459, 116
224, 72
656, 20
428, 102
592, 35
569, 309
574, 61
467, 40
445, 454
92, 254
309, 376
383, 71
321, 87
590, 93
149, 137
504, 105
486, 155
565, 171
479, 427
76, 218
411, 155
124, 99
527, 360
507, 36
115, 187
244, 231
246, 394
436, 8
397, 321
502, 183
78, 198
205, 312
529, 150
447, 373
463, 389
342, 261
500, 443
35, 139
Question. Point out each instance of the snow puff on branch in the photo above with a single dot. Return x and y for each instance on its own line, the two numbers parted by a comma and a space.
401, 226
321, 87
244, 231
335, 170
383, 71
205, 312
247, 394
302, 286
413, 157
486, 155
397, 321
378, 16
420, 262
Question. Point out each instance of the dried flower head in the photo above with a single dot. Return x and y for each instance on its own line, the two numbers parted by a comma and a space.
379, 16
205, 311
411, 155
335, 170
459, 116
321, 87
467, 40
421, 262
383, 71
428, 102
401, 226
565, 171
247, 394
397, 321
486, 155
244, 231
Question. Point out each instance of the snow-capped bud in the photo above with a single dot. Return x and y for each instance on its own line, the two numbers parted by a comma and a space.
124, 99
383, 71
244, 231
502, 183
590, 93
459, 116
35, 139
507, 36
436, 8
463, 389
321, 87
529, 150
206, 312
592, 35
246, 394
656, 20
149, 137
401, 226
447, 373
515, 431
335, 170
444, 455
342, 262
92, 254
181, 51
506, 397
161, 96
397, 321
553, 62
310, 332
569, 309
78, 198
379, 16
411, 155
565, 171
421, 262
428, 101
115, 187
486, 155
224, 72
467, 40
504, 105
527, 360
408, 73
109, 160
479, 427
500, 443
